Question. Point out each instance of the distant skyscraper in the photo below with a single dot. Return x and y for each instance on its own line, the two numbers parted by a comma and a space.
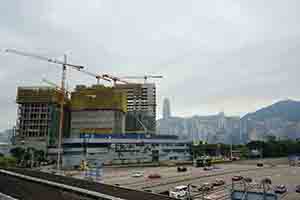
166, 109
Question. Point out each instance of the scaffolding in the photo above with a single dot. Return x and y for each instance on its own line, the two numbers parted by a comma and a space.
38, 114
38, 95
98, 97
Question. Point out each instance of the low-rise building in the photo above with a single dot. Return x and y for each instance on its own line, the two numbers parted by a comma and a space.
124, 149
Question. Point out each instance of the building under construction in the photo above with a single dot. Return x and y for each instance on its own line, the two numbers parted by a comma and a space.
38, 116
141, 107
97, 110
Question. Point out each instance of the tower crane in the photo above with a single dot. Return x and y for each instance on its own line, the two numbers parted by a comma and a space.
63, 79
97, 76
114, 79
51, 60
145, 77
56, 87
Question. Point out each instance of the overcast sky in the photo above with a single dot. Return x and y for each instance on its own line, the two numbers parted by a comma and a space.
233, 55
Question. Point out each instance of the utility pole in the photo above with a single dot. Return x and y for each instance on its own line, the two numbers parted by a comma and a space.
231, 141
61, 120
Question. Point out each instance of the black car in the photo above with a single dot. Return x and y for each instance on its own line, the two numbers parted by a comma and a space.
298, 188
181, 169
248, 179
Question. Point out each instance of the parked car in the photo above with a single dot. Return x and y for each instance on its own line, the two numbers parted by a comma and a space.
248, 179
298, 188
181, 169
237, 178
206, 187
280, 189
211, 197
179, 192
207, 168
137, 174
218, 182
235, 158
154, 175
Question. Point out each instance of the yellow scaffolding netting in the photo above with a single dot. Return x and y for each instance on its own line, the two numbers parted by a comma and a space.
98, 97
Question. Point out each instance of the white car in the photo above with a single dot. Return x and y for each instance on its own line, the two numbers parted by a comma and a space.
179, 192
211, 197
137, 174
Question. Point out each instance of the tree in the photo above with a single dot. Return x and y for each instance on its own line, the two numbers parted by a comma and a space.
18, 153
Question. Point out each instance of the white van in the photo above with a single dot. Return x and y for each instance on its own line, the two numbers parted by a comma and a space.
179, 192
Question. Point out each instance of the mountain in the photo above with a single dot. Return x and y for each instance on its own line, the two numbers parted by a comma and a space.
281, 119
288, 110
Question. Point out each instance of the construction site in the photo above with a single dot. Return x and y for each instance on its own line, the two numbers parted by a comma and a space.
97, 132
38, 116
98, 124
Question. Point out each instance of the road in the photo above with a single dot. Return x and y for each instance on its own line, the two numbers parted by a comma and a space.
279, 174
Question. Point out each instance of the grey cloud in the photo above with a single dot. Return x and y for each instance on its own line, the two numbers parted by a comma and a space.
234, 55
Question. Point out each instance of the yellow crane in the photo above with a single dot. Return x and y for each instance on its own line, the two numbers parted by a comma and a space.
64, 64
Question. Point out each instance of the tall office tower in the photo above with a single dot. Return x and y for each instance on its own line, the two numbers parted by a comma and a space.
141, 107
166, 109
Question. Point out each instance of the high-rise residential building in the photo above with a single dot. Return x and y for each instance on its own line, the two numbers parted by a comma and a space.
166, 109
141, 107
38, 116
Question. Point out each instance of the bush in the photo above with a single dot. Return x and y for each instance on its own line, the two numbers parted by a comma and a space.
7, 162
